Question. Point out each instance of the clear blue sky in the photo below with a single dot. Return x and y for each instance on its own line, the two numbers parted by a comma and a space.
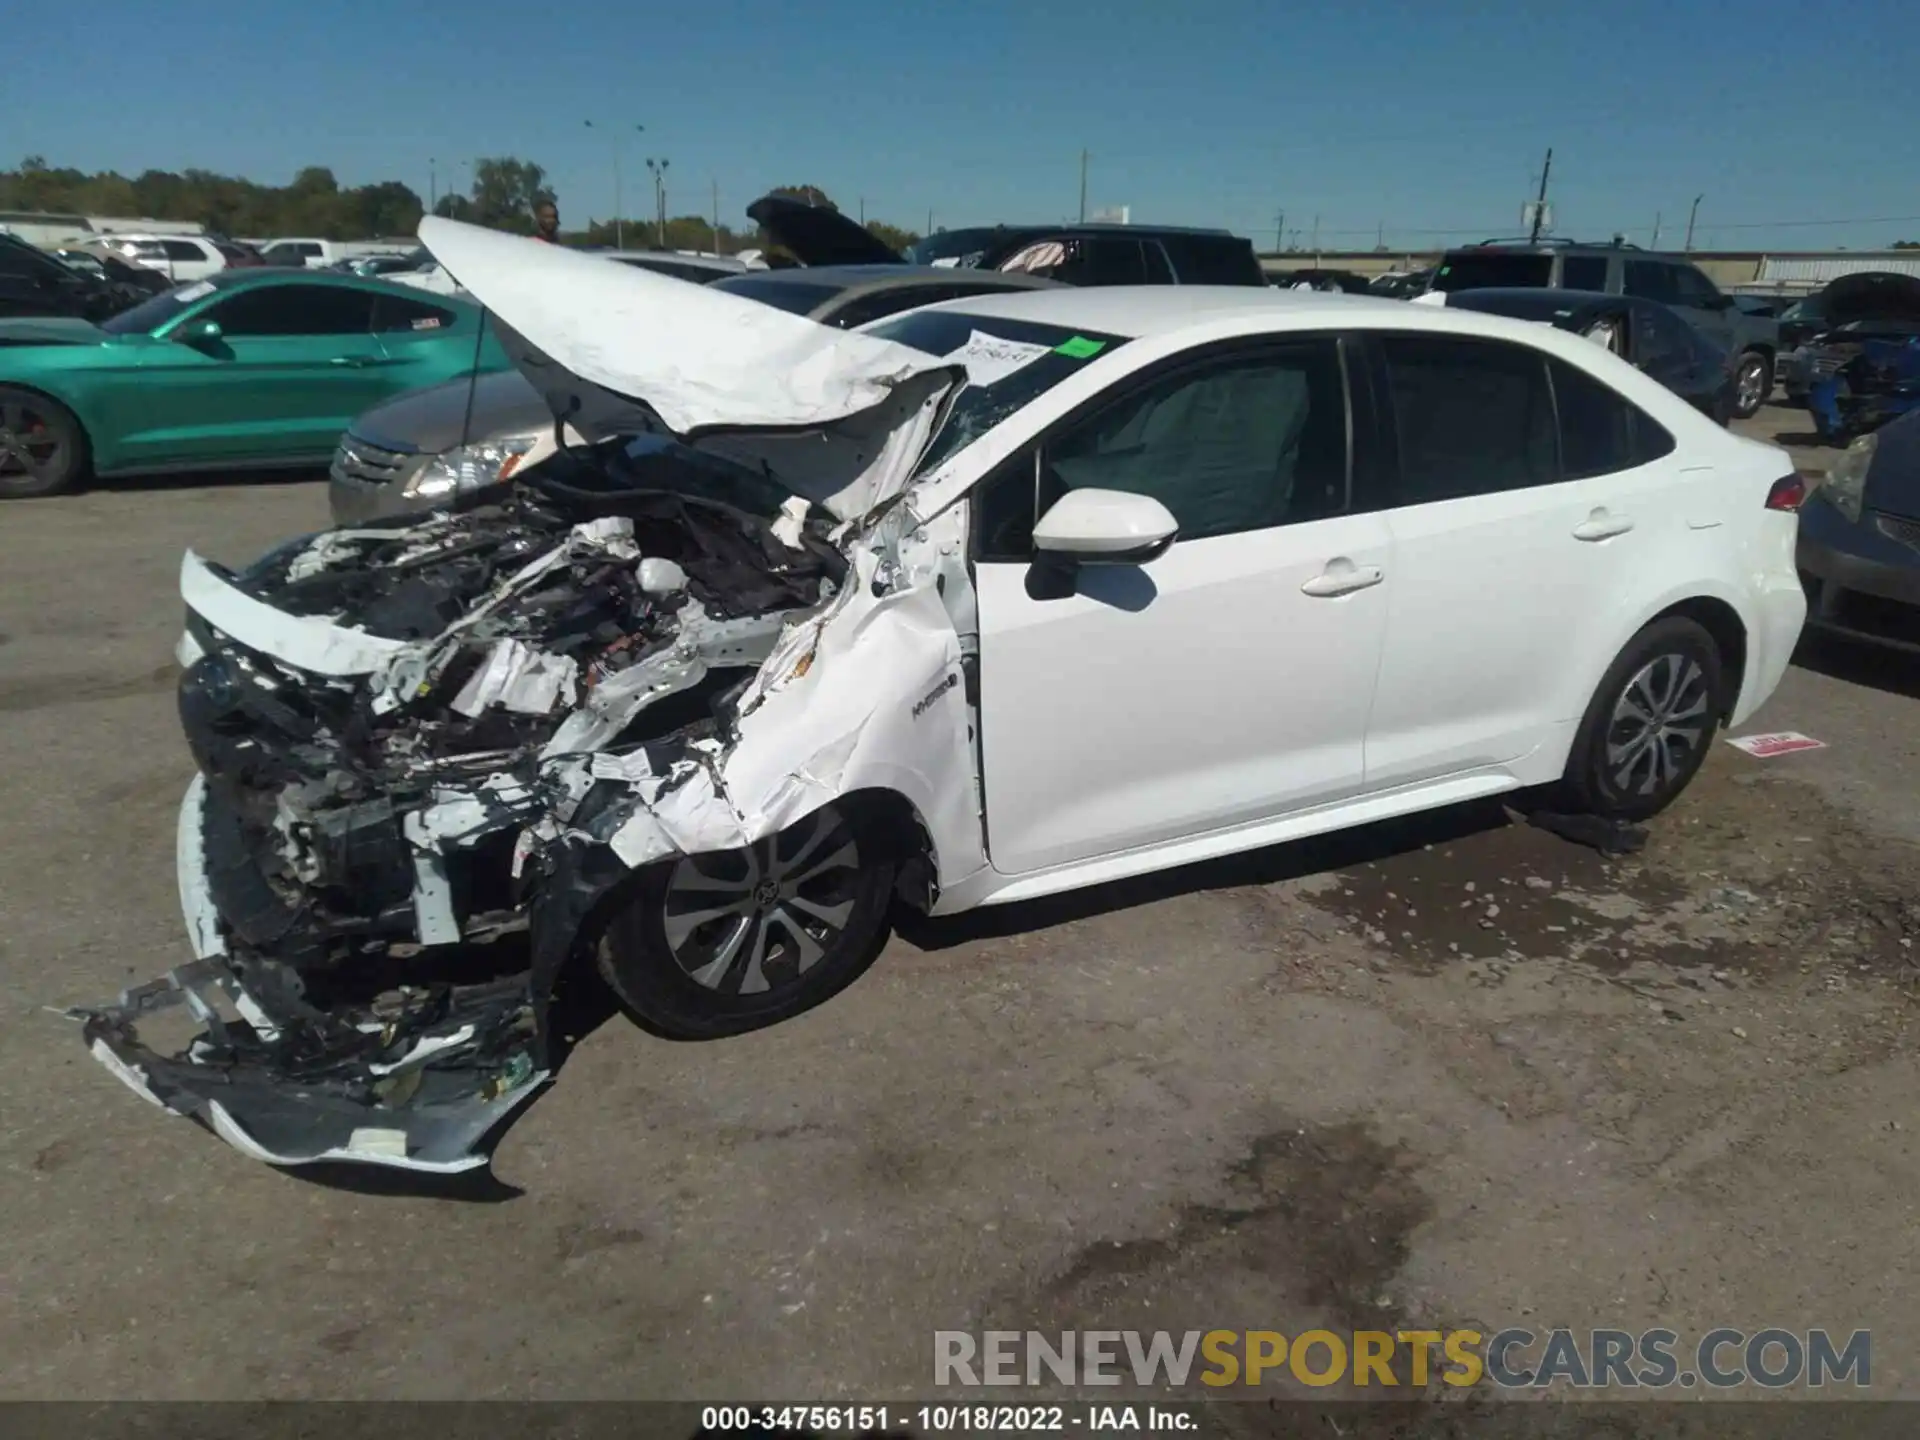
1424, 114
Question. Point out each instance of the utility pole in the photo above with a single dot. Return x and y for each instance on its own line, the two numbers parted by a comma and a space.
1656, 230
1280, 231
1691, 214
1316, 237
433, 184
1380, 237
612, 132
1540, 200
1083, 187
863, 210
716, 216
929, 221
658, 169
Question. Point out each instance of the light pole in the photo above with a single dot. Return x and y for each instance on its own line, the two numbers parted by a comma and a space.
613, 133
1692, 215
433, 184
658, 169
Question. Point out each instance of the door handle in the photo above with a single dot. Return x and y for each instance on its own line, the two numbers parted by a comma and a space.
356, 361
1342, 577
1602, 526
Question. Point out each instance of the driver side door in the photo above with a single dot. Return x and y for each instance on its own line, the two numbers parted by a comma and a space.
1228, 680
292, 366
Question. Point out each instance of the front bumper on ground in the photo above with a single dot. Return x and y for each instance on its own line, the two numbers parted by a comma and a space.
422, 1078
1861, 581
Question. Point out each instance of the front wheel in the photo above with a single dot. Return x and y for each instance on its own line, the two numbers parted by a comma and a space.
1752, 383
43, 450
723, 943
1647, 730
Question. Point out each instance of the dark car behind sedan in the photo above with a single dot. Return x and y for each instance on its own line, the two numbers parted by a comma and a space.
1859, 548
1644, 333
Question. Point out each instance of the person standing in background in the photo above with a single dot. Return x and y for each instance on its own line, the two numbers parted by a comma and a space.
546, 222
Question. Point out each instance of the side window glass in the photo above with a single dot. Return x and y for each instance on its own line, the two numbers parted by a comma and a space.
1650, 280
392, 314
1113, 262
1230, 445
1596, 424
1691, 287
1473, 417
296, 310
182, 250
1583, 272
1046, 258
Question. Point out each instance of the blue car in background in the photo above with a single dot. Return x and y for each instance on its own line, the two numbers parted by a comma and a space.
1863, 369
1859, 548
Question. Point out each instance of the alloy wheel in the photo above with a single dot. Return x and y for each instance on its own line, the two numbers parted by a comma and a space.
1659, 725
744, 922
30, 445
1752, 386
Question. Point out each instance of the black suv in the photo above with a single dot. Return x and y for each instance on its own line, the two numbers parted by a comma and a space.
1072, 254
1753, 341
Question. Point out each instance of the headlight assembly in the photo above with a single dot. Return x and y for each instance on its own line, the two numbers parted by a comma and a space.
470, 467
1845, 484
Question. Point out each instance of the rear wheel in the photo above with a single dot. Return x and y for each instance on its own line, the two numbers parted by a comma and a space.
719, 944
1752, 383
1648, 727
43, 450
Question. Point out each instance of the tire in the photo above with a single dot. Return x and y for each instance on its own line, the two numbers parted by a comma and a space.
1672, 667
1752, 383
720, 944
43, 449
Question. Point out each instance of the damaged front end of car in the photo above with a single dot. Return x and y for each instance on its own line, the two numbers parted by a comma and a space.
434, 753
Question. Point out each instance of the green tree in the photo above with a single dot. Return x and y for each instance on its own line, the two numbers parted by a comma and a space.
806, 195
892, 236
505, 192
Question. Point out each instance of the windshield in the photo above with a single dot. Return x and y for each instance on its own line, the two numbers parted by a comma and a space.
1491, 269
1012, 363
953, 247
150, 314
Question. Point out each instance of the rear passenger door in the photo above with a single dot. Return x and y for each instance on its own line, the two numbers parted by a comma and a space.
1514, 507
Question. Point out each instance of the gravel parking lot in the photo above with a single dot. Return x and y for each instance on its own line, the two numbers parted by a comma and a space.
1446, 1072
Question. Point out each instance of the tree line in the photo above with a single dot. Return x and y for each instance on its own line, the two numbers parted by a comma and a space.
502, 195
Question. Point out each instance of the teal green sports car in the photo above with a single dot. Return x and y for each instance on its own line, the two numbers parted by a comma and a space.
249, 369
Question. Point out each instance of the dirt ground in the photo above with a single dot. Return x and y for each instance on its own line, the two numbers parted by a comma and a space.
1448, 1072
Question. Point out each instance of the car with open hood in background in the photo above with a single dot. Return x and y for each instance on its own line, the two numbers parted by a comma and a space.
1332, 558
35, 284
1857, 363
1071, 253
1648, 336
250, 369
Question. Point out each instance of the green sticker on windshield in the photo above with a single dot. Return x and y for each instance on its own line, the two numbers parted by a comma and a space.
1079, 348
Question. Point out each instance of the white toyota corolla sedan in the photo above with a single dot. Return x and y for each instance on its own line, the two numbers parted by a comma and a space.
987, 601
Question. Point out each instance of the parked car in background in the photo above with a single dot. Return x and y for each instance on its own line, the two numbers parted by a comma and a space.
316, 254
1334, 559
1073, 254
179, 258
138, 281
428, 448
36, 283
1340, 282
1647, 335
700, 269
1858, 360
248, 369
1752, 341
239, 254
1401, 284
1859, 548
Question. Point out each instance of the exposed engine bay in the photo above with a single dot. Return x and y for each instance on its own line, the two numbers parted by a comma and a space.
504, 659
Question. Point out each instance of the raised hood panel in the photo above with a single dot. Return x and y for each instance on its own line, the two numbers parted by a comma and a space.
817, 235
614, 350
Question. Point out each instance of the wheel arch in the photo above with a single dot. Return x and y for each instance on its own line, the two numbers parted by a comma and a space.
89, 451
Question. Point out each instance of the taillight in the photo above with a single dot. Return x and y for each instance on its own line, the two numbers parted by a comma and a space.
1788, 493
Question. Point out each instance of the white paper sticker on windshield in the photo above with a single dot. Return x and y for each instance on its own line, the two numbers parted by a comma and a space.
187, 294
990, 359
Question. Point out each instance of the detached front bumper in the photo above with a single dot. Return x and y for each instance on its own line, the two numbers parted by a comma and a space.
418, 1078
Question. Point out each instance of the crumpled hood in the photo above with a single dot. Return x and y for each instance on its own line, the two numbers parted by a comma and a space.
835, 416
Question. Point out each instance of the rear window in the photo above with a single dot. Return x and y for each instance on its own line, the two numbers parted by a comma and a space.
1018, 360
780, 290
1492, 270
1213, 260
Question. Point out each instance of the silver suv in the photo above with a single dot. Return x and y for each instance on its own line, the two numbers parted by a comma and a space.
1753, 341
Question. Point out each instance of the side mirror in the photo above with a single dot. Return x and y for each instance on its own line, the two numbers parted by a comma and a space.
198, 332
1105, 527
